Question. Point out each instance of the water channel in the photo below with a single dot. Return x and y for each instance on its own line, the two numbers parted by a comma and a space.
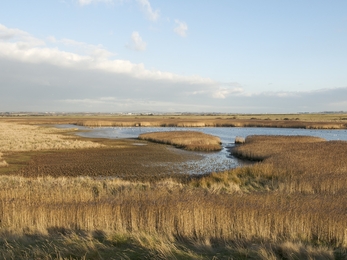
212, 161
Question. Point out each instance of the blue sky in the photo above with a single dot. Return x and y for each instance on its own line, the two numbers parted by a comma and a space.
230, 56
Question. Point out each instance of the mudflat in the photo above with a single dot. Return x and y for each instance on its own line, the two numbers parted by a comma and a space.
33, 151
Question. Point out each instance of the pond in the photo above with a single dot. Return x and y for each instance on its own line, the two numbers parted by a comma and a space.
212, 161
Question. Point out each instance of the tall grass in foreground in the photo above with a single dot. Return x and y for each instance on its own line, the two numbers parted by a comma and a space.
169, 209
105, 245
290, 205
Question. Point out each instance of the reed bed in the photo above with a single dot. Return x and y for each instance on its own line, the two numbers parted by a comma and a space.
260, 147
168, 209
208, 122
3, 163
312, 121
69, 244
189, 140
47, 206
15, 137
239, 140
289, 205
300, 164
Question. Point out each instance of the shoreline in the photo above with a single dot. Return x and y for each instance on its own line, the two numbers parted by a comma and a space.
316, 121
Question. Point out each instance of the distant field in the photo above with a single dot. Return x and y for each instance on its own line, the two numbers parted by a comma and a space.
317, 121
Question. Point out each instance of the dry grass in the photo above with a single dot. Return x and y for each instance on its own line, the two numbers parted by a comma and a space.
259, 147
172, 211
166, 208
118, 158
189, 140
318, 121
3, 163
287, 206
69, 244
239, 140
15, 137
303, 164
25, 138
215, 122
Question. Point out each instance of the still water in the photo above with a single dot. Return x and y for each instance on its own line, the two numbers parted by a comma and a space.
215, 161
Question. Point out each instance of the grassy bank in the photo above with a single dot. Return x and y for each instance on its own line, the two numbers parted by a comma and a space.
309, 121
16, 137
307, 165
289, 205
214, 122
189, 140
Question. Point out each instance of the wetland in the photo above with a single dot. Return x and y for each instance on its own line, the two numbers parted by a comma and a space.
59, 197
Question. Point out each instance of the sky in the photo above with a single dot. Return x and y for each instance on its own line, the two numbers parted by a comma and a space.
228, 56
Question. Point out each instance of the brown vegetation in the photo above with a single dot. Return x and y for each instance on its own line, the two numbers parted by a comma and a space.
169, 210
122, 160
259, 147
302, 164
15, 137
290, 205
3, 163
189, 140
57, 156
239, 140
316, 121
71, 244
209, 122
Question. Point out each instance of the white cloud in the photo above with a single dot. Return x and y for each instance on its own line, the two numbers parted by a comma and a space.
145, 5
95, 51
181, 28
278, 94
88, 2
218, 92
28, 49
67, 75
223, 92
21, 38
147, 9
134, 104
136, 42
8, 33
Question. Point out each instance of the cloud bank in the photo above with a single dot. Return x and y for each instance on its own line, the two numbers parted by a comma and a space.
35, 77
